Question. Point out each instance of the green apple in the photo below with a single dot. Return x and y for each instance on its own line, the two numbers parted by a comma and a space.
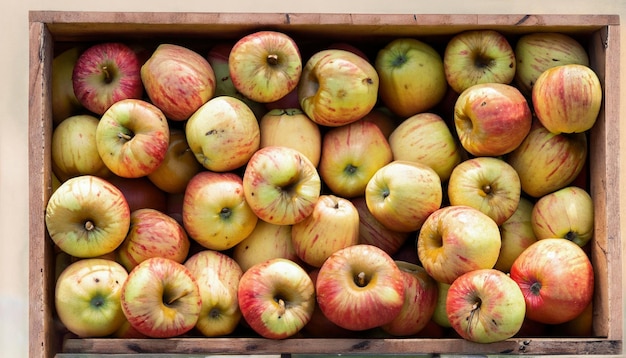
223, 133
567, 213
350, 156
402, 194
412, 76
337, 87
488, 184
266, 241
87, 216
64, 101
87, 297
215, 211
426, 138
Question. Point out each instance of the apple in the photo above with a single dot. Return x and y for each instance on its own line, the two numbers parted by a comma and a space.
292, 128
478, 56
440, 315
215, 211
350, 155
281, 185
337, 87
178, 166
546, 162
132, 138
556, 278
536, 52
491, 119
319, 325
426, 138
218, 59
384, 119
87, 297
485, 306
373, 232
265, 65
152, 233
580, 326
343, 45
289, 101
218, 278
412, 76
420, 299
402, 194
516, 235
126, 330
161, 298
73, 148
567, 213
457, 239
488, 184
223, 134
360, 287
266, 241
106, 73
87, 216
174, 206
140, 193
177, 80
63, 100
333, 225
276, 298
567, 98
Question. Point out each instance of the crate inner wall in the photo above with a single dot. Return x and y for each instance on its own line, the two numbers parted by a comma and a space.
50, 32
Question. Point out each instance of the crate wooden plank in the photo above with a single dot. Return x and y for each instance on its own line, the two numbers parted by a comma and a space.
50, 28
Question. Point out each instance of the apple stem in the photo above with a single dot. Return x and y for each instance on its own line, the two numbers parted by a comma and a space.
281, 307
107, 74
361, 279
487, 189
272, 59
89, 225
124, 136
175, 298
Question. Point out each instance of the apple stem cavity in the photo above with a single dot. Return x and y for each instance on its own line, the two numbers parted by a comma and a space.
108, 77
474, 311
171, 299
272, 59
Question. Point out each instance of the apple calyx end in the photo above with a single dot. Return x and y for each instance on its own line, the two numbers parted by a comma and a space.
535, 288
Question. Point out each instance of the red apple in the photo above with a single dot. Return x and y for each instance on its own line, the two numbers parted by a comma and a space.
567, 98
140, 193
265, 65
215, 211
152, 234
281, 185
556, 278
106, 73
360, 287
491, 119
178, 80
332, 226
455, 240
420, 300
485, 306
351, 155
161, 298
337, 87
132, 138
276, 298
373, 232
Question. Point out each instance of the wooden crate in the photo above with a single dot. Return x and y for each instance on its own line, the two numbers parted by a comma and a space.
50, 31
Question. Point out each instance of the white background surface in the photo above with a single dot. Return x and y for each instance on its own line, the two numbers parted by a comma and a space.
14, 235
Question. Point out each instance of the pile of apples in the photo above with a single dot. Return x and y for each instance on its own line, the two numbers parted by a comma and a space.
398, 191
